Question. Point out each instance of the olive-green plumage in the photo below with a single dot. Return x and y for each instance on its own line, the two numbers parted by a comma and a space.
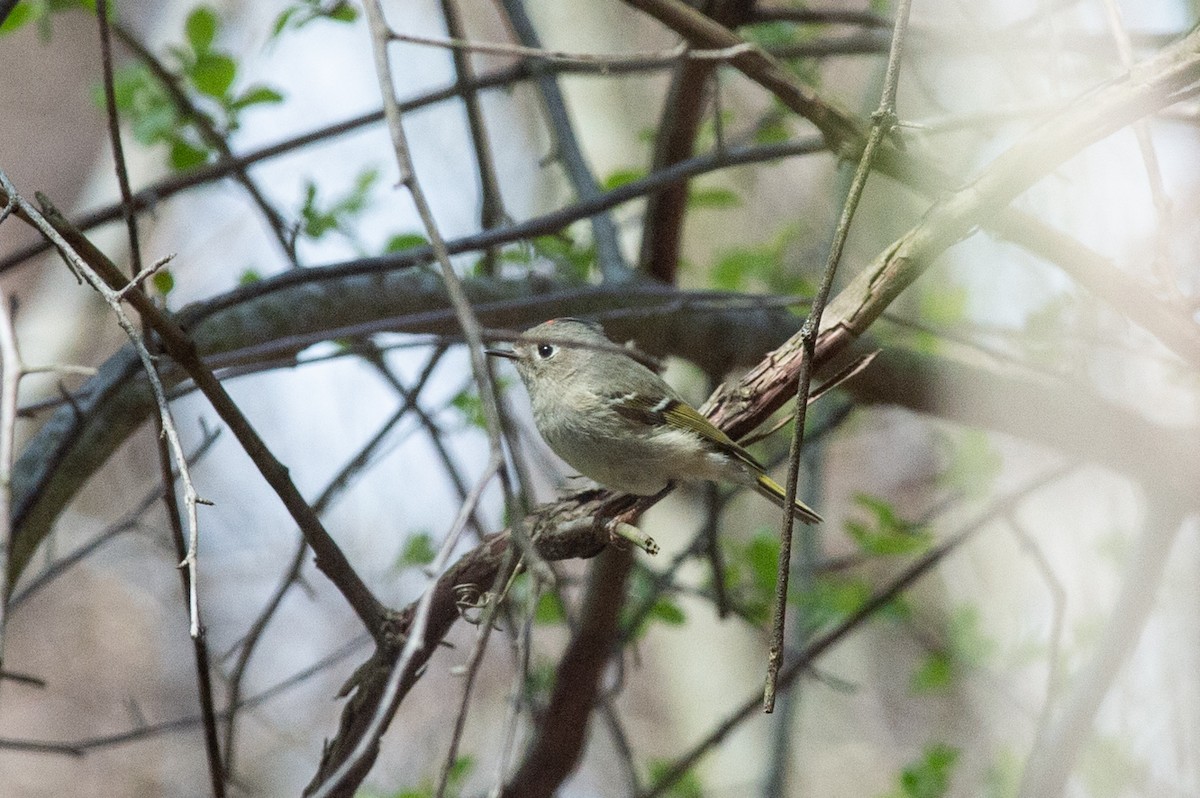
619, 423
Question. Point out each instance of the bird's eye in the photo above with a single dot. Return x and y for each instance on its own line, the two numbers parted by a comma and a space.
545, 350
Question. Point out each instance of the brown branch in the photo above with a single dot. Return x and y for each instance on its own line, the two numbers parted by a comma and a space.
1157, 83
560, 531
683, 111
176, 342
561, 731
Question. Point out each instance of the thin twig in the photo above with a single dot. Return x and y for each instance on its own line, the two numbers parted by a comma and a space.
414, 640
609, 259
130, 521
185, 549
11, 371
491, 201
882, 122
113, 298
604, 60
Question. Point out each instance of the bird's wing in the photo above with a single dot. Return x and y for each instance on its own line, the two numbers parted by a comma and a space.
654, 411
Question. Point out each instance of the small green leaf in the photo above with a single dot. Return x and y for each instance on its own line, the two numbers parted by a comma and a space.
467, 403
418, 551
18, 17
936, 673
249, 276
549, 610
184, 156
668, 612
342, 12
620, 177
163, 281
735, 269
886, 534
403, 241
201, 29
213, 74
712, 198
688, 785
930, 777
256, 95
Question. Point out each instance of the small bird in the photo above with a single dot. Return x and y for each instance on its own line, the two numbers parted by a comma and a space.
619, 423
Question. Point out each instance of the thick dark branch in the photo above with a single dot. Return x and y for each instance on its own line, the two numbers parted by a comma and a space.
561, 731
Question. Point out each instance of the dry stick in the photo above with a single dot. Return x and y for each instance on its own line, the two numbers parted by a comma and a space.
10, 382
111, 287
183, 551
131, 521
78, 250
609, 259
881, 123
471, 331
491, 205
332, 491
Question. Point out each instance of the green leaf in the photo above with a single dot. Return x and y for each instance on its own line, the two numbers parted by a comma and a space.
342, 12
549, 610
163, 281
735, 269
18, 17
668, 612
762, 554
201, 29
249, 276
418, 551
935, 674
930, 777
832, 599
467, 403
256, 95
213, 74
688, 786
403, 241
184, 156
620, 177
886, 534
712, 198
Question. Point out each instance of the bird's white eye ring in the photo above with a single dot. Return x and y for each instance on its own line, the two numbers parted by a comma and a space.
545, 350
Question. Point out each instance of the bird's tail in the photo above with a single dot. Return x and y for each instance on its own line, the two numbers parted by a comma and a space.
773, 491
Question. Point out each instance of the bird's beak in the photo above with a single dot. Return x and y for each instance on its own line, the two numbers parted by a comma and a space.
501, 353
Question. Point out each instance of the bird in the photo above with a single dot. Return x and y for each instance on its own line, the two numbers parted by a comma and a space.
620, 424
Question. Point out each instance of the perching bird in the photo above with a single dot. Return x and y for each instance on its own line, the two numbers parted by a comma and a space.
619, 423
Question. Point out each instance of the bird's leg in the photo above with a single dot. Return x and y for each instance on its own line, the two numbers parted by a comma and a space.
617, 513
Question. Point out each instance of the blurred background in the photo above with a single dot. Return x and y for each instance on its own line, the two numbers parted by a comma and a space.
1023, 411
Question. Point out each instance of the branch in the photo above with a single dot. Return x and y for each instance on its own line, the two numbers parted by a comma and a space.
180, 346
561, 729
